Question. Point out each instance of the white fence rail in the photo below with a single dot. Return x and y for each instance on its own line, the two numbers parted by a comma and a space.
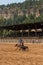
26, 40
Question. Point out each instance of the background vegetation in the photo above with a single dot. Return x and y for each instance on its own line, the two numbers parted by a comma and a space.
21, 19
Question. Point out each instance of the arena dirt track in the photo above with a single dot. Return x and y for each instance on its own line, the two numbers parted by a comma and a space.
11, 55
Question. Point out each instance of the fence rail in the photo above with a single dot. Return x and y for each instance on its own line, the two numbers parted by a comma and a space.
26, 40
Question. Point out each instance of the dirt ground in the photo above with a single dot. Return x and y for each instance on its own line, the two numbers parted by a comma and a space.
11, 55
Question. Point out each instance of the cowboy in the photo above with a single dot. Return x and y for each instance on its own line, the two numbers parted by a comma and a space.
21, 42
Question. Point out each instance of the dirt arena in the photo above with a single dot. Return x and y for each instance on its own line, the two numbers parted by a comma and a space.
11, 55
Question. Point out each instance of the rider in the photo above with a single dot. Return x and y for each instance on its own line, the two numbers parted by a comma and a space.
21, 42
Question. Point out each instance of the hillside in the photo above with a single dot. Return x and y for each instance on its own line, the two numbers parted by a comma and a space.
29, 11
25, 8
18, 13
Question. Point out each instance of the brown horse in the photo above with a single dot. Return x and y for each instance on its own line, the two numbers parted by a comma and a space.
22, 47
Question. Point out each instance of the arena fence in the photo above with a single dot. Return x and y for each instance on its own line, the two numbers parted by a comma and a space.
26, 40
